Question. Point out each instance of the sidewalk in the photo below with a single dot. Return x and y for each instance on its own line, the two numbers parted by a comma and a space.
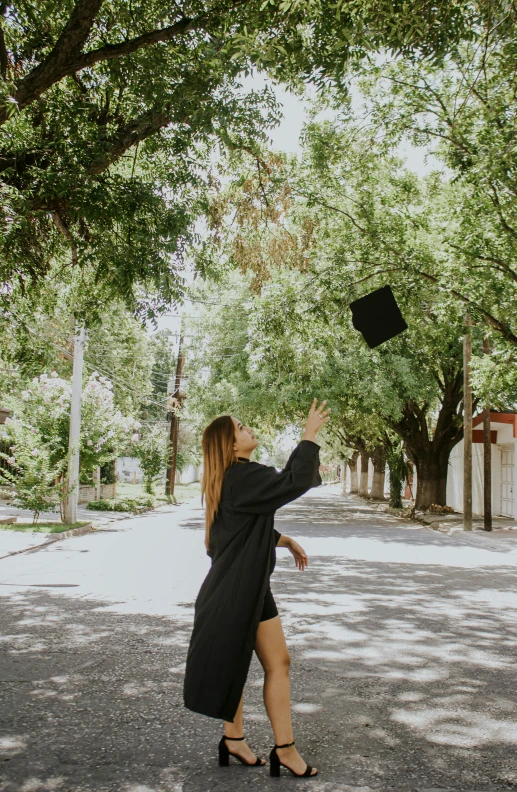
449, 523
12, 540
446, 523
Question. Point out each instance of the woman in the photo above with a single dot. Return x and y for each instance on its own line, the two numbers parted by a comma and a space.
235, 612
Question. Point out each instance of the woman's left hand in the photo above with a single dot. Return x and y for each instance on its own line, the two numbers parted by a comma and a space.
300, 556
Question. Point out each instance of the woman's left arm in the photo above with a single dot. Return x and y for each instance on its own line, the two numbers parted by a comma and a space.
300, 556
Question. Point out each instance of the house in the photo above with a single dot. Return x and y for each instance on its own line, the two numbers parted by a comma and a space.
503, 432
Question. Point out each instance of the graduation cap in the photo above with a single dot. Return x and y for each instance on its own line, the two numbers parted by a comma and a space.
377, 316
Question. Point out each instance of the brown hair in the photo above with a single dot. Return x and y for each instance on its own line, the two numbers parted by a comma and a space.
218, 456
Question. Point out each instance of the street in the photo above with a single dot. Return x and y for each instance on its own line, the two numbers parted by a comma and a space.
402, 640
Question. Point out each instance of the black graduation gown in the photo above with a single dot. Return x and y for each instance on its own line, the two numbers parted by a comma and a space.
229, 603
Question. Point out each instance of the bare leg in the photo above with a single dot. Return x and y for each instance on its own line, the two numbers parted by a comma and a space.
235, 729
274, 657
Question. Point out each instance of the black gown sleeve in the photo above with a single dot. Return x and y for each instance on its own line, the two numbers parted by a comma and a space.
263, 490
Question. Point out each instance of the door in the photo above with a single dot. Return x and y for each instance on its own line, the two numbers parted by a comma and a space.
507, 465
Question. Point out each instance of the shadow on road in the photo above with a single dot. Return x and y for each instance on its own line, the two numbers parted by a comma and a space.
403, 673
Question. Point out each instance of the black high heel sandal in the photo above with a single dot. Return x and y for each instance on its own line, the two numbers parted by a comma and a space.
274, 764
224, 754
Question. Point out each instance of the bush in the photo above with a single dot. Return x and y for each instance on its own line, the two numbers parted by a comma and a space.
135, 505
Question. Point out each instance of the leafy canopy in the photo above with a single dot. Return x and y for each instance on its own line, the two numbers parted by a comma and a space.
109, 112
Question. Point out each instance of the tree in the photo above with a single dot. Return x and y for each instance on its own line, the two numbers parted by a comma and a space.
462, 112
164, 354
34, 478
36, 334
400, 471
109, 111
369, 220
40, 422
152, 450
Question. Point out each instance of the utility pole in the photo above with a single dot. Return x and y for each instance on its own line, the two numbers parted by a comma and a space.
70, 504
467, 426
174, 407
487, 458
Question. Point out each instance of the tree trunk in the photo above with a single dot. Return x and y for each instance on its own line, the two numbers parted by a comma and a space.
430, 454
342, 476
431, 485
175, 423
363, 481
379, 467
352, 464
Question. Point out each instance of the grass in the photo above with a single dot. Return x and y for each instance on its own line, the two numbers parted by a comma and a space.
183, 492
44, 527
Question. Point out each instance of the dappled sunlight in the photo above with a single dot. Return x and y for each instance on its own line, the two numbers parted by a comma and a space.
459, 727
37, 784
11, 745
402, 641
384, 608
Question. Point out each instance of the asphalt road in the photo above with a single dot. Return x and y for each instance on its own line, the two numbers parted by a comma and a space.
403, 645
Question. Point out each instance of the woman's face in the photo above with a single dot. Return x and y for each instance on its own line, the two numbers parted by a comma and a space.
245, 440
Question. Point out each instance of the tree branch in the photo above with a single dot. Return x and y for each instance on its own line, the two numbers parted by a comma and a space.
63, 229
495, 323
53, 68
130, 134
67, 57
497, 263
112, 51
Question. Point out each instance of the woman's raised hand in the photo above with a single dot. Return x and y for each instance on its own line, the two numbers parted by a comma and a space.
317, 417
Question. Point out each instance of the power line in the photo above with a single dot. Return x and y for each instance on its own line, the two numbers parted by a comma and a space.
119, 381
90, 365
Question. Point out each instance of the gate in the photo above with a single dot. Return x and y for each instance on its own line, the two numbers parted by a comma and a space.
507, 466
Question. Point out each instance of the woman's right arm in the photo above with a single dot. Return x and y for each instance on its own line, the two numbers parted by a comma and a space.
315, 420
262, 490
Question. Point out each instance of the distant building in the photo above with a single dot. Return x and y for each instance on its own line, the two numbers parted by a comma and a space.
129, 471
503, 430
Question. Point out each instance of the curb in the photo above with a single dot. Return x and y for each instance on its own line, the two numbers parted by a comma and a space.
51, 538
435, 522
434, 525
83, 529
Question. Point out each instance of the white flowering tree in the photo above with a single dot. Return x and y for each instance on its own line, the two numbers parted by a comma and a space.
38, 436
104, 430
153, 452
35, 479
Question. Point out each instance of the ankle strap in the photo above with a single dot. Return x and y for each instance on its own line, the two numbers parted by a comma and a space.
232, 738
287, 745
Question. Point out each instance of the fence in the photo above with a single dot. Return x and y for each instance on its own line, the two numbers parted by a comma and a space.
88, 492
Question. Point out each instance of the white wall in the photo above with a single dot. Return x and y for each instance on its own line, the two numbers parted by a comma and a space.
188, 476
129, 470
455, 478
